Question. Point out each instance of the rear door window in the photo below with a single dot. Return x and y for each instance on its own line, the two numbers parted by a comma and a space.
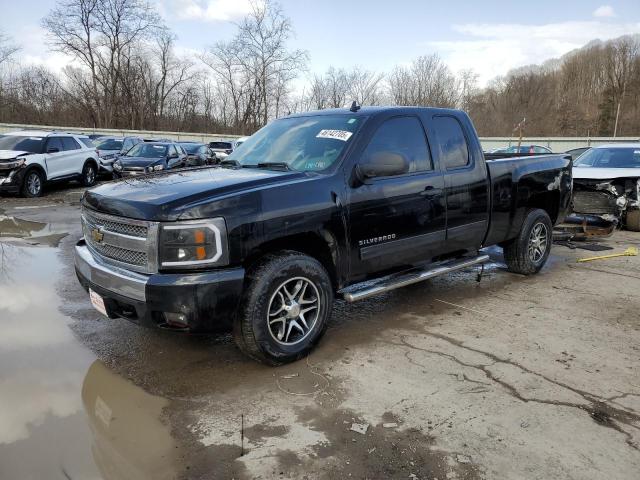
405, 136
88, 142
453, 144
55, 143
69, 143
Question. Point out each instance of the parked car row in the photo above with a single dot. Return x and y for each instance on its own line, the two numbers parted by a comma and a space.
29, 159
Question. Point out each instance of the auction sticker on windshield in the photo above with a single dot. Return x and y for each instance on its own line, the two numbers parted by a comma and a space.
343, 135
98, 302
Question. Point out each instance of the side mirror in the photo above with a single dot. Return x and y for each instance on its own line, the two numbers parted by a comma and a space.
53, 150
383, 164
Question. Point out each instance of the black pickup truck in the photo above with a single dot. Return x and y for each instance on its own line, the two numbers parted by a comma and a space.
346, 202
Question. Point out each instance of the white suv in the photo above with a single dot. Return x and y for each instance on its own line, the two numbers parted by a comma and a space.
30, 158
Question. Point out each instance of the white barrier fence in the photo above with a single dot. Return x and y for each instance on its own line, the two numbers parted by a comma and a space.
178, 136
556, 144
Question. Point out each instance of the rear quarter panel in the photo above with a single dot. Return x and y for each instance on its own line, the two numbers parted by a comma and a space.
519, 184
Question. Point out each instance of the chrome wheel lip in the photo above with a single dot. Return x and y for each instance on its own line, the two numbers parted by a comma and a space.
34, 185
293, 311
538, 242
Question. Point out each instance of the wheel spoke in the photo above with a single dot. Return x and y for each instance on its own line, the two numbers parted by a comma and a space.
308, 309
279, 319
302, 292
303, 320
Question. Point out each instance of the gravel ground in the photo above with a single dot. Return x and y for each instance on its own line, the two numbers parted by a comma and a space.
511, 377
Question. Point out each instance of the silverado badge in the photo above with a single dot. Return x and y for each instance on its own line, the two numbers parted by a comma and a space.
97, 235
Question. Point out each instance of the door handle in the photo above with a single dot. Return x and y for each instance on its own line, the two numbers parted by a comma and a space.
431, 191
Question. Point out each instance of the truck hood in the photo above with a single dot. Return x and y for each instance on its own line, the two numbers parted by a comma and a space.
590, 173
166, 196
11, 154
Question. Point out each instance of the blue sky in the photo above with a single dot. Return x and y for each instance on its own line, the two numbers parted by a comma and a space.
490, 37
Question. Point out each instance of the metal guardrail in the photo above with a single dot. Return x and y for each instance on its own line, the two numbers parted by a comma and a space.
556, 144
178, 136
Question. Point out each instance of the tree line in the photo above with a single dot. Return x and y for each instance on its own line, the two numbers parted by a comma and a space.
127, 73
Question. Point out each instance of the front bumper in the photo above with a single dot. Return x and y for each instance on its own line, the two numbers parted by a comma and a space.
106, 165
206, 300
11, 180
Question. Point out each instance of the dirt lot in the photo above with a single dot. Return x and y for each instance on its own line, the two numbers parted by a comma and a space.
512, 377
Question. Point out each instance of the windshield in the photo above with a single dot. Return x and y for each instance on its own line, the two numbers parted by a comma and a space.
306, 144
191, 147
109, 144
22, 144
614, 157
147, 150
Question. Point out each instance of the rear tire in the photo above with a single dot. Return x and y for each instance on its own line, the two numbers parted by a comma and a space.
633, 220
285, 309
32, 184
529, 251
89, 174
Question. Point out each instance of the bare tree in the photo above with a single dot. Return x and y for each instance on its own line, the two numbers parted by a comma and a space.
256, 66
428, 81
7, 48
100, 35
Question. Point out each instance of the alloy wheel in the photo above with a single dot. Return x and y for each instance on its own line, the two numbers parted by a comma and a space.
293, 311
538, 242
90, 175
34, 184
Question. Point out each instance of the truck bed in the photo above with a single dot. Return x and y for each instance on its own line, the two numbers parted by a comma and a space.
520, 183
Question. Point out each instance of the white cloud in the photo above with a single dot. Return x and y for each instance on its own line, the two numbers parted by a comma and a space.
494, 49
35, 51
210, 10
604, 11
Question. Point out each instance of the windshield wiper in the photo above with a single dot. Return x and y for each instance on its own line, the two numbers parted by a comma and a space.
275, 165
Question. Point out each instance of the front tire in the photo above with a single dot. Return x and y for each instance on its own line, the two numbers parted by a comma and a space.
32, 184
527, 253
285, 309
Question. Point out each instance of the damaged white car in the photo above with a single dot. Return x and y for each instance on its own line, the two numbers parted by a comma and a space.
606, 188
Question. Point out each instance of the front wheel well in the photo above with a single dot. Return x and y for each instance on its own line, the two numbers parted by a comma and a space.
37, 167
311, 244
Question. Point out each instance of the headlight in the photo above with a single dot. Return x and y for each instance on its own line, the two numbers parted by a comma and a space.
13, 164
157, 168
117, 165
193, 244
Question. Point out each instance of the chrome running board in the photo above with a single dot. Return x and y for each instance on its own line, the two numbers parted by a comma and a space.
367, 289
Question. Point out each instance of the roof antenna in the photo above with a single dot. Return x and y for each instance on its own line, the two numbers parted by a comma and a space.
354, 106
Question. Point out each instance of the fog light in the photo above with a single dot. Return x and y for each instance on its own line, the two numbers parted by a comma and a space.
178, 320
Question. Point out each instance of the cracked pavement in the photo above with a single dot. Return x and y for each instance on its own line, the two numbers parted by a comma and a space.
513, 377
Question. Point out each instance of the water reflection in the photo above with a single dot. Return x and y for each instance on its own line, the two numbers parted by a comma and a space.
130, 441
43, 433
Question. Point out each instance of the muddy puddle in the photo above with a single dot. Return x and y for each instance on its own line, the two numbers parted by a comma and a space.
63, 413
30, 232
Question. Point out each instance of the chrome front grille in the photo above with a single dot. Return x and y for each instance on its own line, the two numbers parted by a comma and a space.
121, 254
117, 226
125, 242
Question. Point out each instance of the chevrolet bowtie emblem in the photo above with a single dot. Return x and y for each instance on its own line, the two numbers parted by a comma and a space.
97, 235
